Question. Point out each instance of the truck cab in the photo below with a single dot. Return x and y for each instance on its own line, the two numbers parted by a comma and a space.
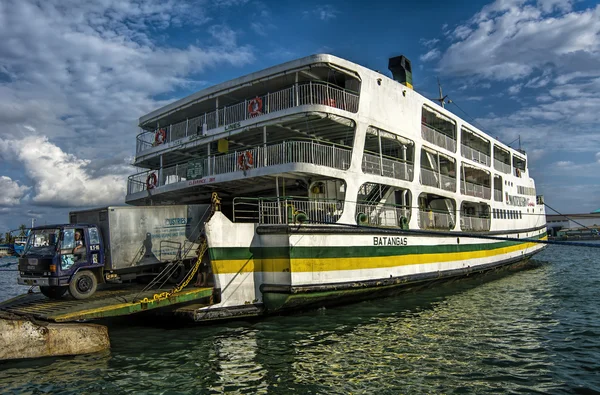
61, 258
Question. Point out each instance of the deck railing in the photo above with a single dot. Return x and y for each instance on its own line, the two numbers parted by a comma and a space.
474, 155
475, 224
471, 189
375, 214
311, 152
434, 179
435, 220
302, 94
438, 138
294, 210
501, 166
373, 164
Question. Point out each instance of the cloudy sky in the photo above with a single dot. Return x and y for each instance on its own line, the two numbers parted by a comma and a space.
76, 75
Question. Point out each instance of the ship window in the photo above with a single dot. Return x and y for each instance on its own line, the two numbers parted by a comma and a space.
474, 216
436, 212
383, 205
475, 147
388, 154
438, 129
438, 170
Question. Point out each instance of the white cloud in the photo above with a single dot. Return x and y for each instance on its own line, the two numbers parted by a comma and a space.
513, 90
511, 39
81, 73
223, 35
429, 43
462, 32
548, 6
564, 163
62, 179
323, 12
431, 55
12, 192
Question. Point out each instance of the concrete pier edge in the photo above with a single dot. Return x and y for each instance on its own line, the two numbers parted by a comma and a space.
21, 338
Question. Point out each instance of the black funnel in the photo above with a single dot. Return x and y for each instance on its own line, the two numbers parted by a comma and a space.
401, 70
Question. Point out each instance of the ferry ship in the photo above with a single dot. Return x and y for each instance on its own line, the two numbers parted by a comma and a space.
334, 182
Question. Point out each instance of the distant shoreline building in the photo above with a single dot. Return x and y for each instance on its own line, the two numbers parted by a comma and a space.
573, 224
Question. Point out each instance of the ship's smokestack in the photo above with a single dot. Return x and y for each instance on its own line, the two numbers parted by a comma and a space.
401, 70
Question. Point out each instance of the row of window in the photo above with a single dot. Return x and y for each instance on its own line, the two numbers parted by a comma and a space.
441, 130
507, 214
525, 190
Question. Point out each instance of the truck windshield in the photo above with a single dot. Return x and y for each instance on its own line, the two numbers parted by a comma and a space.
42, 242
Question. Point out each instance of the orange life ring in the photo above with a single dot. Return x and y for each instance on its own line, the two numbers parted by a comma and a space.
151, 181
160, 137
255, 107
245, 160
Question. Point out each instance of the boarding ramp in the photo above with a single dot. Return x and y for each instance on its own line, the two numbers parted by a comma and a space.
110, 302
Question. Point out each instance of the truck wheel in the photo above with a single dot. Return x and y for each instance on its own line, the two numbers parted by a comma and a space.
53, 292
178, 274
83, 285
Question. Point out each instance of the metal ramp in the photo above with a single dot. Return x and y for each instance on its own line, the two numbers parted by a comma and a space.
110, 302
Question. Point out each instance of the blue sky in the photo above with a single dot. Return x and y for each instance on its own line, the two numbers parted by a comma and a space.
75, 76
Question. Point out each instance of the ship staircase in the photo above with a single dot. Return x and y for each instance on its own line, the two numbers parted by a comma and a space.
124, 299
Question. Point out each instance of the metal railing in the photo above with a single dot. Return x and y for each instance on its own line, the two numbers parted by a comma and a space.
475, 224
296, 95
287, 210
435, 220
471, 189
474, 155
373, 164
438, 138
501, 166
311, 152
434, 179
381, 214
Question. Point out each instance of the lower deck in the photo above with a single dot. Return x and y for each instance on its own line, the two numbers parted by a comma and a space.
110, 302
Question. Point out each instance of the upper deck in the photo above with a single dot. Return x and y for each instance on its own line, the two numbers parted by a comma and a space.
323, 119
316, 82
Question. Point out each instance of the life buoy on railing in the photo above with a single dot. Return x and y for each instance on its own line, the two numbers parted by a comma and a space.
160, 137
255, 107
403, 223
361, 218
151, 181
300, 217
245, 160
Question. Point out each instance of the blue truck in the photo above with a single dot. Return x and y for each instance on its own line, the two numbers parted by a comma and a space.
110, 244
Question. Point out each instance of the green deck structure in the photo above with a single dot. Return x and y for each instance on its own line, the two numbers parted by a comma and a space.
110, 302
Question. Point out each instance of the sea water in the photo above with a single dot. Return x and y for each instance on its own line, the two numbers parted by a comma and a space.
535, 330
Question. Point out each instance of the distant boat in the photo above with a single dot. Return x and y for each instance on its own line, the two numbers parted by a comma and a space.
6, 250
